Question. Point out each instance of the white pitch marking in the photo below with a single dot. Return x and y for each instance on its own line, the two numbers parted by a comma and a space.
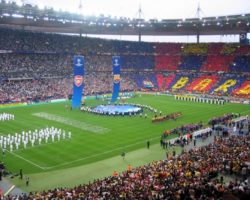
34, 164
84, 158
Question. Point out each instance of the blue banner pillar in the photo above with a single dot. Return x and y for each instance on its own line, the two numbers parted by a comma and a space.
117, 78
78, 62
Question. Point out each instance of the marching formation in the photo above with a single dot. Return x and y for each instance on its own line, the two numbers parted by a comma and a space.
6, 117
209, 100
32, 138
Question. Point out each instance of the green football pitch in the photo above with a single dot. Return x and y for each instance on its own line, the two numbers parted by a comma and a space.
94, 137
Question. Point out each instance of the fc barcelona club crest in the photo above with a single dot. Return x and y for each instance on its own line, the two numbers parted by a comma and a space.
78, 79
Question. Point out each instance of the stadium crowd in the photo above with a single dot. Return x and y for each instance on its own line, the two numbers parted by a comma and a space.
29, 58
182, 130
225, 119
37, 67
191, 175
36, 90
34, 65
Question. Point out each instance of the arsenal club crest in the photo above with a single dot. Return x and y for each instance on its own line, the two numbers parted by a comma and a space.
78, 79
117, 78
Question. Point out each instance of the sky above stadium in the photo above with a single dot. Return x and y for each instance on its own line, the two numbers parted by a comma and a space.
151, 9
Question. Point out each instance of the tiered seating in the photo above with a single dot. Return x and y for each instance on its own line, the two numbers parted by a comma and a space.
202, 84
195, 49
164, 81
226, 84
167, 48
180, 82
39, 55
153, 79
243, 50
160, 81
228, 49
146, 81
133, 47
192, 62
138, 62
167, 62
215, 48
243, 90
194, 174
168, 80
241, 64
38, 65
98, 63
33, 41
217, 63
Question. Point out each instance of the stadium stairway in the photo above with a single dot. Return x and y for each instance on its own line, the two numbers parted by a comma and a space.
8, 188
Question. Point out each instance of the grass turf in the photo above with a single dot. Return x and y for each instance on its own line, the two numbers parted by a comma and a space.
125, 133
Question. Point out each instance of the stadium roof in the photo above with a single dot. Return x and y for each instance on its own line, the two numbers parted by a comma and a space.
30, 17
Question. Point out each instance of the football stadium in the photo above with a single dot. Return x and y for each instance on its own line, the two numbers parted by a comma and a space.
88, 115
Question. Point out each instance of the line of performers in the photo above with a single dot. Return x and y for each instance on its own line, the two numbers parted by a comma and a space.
31, 138
209, 100
127, 113
6, 117
173, 116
